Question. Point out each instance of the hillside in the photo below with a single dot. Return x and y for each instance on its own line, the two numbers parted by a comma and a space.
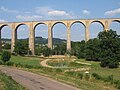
40, 40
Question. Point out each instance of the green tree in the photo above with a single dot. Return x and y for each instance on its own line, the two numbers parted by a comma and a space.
110, 49
7, 46
46, 51
78, 49
5, 56
92, 50
59, 49
21, 47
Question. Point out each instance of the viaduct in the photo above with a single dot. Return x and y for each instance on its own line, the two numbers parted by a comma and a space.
50, 24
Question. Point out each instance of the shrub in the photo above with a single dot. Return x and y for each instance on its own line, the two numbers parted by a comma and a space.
96, 76
109, 79
0, 62
5, 56
80, 75
10, 63
117, 83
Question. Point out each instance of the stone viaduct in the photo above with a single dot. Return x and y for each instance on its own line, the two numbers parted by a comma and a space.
50, 24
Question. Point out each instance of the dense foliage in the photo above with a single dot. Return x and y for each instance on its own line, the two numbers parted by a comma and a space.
78, 49
5, 56
110, 49
21, 47
105, 48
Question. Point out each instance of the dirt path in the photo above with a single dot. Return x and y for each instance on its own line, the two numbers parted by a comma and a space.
33, 81
44, 63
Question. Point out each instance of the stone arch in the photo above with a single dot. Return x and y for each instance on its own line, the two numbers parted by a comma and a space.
114, 25
8, 33
39, 24
94, 33
78, 22
16, 29
100, 22
4, 26
62, 34
116, 21
58, 23
42, 32
21, 25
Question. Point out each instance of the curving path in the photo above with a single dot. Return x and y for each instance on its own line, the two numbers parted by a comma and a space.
44, 63
33, 81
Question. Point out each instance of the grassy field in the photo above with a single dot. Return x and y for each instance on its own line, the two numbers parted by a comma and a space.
73, 77
7, 83
26, 60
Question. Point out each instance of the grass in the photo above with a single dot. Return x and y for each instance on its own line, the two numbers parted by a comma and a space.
60, 75
26, 60
7, 83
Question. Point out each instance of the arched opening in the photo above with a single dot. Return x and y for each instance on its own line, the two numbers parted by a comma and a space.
59, 38
6, 34
77, 39
41, 37
115, 26
95, 28
77, 32
22, 39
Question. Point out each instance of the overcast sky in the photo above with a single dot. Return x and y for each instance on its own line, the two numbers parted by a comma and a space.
35, 10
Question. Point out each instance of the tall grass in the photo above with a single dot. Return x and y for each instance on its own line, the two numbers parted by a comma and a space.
9, 83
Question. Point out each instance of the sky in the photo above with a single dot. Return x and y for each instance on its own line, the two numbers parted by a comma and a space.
36, 10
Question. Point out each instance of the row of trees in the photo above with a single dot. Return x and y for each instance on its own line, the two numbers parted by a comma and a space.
105, 48
57, 50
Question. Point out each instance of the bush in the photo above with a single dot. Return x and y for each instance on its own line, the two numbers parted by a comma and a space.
80, 75
117, 83
0, 62
109, 79
96, 76
10, 63
5, 56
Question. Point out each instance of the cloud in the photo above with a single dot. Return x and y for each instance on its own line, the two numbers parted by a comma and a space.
86, 12
50, 13
38, 13
112, 12
29, 18
3, 9
1, 20
43, 10
59, 13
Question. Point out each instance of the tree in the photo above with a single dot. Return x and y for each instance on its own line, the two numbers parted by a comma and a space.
21, 47
92, 50
59, 49
110, 49
7, 46
46, 51
5, 56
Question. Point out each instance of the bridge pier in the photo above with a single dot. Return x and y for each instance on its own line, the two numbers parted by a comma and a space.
0, 42
31, 39
68, 38
50, 36
87, 34
14, 38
